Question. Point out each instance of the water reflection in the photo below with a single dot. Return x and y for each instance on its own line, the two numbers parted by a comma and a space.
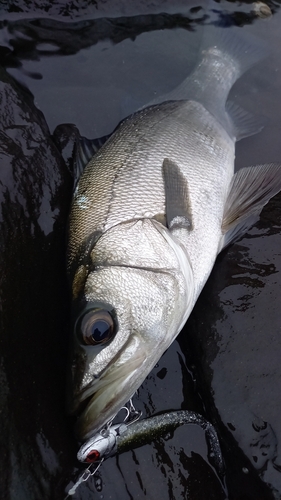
241, 345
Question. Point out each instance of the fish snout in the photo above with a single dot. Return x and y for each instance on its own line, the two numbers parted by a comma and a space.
106, 394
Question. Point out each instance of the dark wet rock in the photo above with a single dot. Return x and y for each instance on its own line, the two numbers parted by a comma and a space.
94, 9
39, 35
237, 343
34, 38
35, 191
87, 9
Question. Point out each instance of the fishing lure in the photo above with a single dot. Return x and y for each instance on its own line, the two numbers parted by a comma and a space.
132, 433
103, 444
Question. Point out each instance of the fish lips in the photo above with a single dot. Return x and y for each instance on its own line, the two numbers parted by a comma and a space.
104, 396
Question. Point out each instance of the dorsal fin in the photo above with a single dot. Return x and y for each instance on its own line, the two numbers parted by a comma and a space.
85, 150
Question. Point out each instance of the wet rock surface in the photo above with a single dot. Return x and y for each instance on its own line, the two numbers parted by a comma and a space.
226, 364
238, 344
35, 194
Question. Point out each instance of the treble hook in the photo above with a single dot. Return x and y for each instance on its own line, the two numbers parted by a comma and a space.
132, 414
104, 443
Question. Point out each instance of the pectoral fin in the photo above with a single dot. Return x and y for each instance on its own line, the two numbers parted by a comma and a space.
251, 188
178, 207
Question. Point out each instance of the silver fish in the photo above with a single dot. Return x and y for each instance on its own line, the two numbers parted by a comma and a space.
151, 211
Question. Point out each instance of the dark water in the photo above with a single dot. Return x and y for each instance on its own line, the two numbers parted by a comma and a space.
92, 64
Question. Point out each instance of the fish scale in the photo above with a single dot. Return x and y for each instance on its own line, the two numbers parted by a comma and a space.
131, 187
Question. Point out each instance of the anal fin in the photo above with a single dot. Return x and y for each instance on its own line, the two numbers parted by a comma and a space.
243, 123
178, 206
250, 190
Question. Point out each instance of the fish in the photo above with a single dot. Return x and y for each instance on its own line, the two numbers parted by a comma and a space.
152, 209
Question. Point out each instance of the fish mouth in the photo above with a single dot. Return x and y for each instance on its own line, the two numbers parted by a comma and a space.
107, 394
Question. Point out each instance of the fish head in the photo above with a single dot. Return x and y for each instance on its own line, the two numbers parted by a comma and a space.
127, 317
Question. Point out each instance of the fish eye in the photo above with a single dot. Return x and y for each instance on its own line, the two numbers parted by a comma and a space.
96, 327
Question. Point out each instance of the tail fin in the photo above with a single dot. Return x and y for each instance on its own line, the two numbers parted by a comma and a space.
241, 47
225, 55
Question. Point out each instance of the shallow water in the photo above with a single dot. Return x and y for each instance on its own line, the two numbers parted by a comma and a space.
93, 68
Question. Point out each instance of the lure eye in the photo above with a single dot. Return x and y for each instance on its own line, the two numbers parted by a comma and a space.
97, 327
92, 456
